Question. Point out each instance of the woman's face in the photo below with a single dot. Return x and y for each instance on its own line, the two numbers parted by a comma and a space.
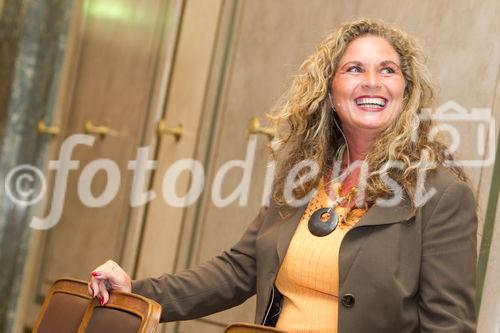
368, 86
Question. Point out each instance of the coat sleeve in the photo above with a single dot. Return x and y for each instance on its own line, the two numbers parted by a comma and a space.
218, 284
448, 267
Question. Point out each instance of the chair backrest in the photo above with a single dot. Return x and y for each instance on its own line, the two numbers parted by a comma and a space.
250, 328
69, 309
124, 313
64, 307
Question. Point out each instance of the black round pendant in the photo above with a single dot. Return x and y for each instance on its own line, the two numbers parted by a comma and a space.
319, 226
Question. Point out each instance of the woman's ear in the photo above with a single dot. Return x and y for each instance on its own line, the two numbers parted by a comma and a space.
330, 101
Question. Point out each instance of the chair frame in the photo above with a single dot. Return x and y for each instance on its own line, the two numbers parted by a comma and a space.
148, 310
65, 286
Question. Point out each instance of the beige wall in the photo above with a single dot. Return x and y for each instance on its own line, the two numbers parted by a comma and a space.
489, 316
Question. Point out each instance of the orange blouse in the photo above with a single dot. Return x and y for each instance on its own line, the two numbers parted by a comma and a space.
308, 276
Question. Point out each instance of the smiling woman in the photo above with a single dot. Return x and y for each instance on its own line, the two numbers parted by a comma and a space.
338, 263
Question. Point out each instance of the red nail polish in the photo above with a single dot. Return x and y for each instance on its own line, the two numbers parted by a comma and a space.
101, 300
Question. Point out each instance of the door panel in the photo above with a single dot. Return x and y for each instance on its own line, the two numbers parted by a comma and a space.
184, 106
113, 81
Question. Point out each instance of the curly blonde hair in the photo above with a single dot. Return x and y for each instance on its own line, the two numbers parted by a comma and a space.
305, 123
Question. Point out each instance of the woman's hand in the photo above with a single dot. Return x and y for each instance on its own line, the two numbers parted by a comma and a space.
108, 276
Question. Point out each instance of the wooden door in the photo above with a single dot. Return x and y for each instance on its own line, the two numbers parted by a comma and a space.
114, 82
187, 104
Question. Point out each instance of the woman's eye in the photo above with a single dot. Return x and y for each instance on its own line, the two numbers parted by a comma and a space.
354, 69
388, 70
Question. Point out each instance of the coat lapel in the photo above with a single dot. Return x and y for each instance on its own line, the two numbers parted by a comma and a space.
379, 215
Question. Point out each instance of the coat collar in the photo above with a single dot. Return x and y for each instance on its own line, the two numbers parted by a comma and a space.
376, 215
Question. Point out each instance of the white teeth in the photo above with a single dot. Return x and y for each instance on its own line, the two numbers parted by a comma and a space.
370, 101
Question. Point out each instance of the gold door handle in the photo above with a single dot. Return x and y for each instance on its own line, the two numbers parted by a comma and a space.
177, 131
49, 130
254, 127
90, 128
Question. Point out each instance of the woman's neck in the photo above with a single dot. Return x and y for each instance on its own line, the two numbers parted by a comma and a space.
358, 146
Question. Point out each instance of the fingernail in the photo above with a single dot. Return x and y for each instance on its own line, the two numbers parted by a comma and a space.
96, 273
101, 300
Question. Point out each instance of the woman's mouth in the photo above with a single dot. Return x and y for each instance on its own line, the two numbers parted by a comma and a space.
371, 103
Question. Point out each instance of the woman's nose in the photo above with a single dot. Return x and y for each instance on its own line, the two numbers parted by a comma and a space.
371, 80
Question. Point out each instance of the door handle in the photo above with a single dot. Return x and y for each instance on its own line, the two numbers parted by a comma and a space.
162, 129
90, 128
254, 127
49, 130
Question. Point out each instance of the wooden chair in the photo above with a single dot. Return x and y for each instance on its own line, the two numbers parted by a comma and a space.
250, 328
68, 308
